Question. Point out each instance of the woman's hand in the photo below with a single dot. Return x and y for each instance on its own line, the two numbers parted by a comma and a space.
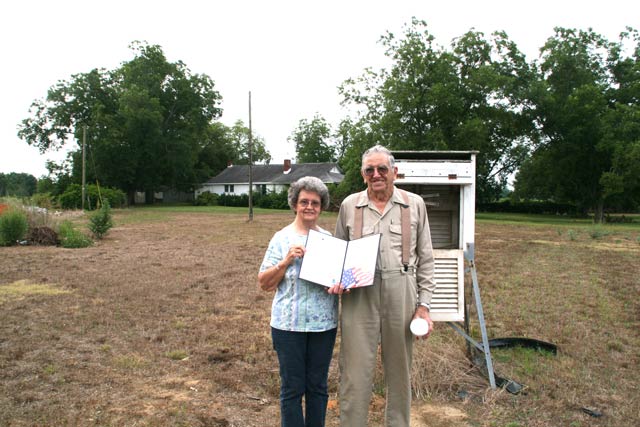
269, 279
338, 289
295, 251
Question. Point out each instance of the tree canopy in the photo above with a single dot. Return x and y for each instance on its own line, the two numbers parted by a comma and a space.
147, 122
586, 109
470, 97
17, 184
567, 123
313, 141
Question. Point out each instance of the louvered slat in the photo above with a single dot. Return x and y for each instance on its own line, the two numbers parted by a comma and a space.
447, 304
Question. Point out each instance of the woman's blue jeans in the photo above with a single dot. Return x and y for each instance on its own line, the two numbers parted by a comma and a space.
304, 359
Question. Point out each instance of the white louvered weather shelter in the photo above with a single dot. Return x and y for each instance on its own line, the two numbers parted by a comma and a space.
446, 180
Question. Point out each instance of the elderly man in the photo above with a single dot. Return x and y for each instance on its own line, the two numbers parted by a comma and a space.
402, 290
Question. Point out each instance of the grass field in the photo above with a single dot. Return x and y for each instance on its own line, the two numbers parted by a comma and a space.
162, 324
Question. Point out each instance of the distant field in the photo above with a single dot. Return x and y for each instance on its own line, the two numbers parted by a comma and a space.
162, 324
555, 219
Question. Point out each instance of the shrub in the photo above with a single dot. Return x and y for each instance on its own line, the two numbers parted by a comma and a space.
529, 207
271, 200
241, 200
268, 201
100, 221
597, 232
43, 200
13, 227
72, 238
72, 197
207, 198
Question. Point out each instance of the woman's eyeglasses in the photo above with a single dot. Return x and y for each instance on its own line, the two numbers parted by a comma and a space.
370, 170
313, 203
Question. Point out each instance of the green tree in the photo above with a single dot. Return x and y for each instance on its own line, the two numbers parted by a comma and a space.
59, 175
146, 121
586, 106
471, 97
216, 153
312, 140
238, 137
101, 221
17, 184
344, 137
228, 145
360, 137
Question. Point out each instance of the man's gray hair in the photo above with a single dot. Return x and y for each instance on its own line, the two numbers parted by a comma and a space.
379, 149
311, 184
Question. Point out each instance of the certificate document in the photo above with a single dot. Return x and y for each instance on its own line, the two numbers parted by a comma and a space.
328, 260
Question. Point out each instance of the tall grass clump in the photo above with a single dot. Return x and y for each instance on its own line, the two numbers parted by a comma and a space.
13, 226
101, 221
72, 238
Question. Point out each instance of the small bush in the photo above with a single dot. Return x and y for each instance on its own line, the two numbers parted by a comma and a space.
207, 198
272, 200
13, 227
100, 221
529, 207
268, 201
43, 200
597, 233
72, 197
72, 238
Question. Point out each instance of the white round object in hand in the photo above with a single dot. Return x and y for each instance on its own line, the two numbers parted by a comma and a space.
419, 327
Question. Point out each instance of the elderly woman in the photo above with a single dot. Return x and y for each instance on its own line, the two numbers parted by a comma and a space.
304, 316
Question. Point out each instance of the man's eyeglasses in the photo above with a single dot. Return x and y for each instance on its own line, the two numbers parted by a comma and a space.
370, 170
313, 203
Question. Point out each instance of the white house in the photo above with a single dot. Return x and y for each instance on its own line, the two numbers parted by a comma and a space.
268, 178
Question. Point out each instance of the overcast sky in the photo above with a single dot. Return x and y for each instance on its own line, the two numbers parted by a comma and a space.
291, 55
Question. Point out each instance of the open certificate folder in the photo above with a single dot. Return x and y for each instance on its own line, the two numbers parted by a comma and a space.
329, 260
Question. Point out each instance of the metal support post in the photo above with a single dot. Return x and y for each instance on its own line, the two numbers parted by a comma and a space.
483, 326
484, 347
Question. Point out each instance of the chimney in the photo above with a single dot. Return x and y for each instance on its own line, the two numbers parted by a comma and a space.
287, 166
229, 163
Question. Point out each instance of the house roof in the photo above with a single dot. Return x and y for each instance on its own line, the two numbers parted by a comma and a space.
329, 173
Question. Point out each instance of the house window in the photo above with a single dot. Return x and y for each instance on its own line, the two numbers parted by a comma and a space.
261, 189
228, 188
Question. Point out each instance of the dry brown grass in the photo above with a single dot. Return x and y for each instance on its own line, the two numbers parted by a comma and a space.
162, 324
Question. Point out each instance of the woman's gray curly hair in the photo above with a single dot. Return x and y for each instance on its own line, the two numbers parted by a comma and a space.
312, 184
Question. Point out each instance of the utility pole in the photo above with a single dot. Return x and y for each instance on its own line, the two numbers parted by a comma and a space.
250, 164
84, 156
